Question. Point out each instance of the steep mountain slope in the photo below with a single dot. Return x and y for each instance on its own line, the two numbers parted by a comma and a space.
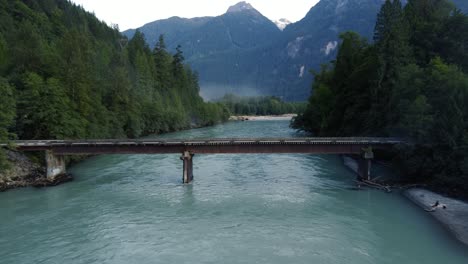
313, 40
462, 5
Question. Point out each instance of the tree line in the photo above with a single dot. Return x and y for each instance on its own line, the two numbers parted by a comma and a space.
260, 105
66, 75
411, 82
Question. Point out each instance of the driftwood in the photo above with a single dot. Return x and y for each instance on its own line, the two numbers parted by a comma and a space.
374, 185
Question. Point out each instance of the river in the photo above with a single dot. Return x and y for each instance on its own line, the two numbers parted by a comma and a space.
240, 209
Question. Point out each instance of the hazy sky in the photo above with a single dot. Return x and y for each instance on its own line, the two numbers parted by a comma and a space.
135, 13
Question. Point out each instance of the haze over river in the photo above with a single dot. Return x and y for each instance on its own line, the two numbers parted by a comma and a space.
240, 209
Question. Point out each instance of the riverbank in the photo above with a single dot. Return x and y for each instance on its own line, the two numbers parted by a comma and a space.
454, 218
25, 172
262, 118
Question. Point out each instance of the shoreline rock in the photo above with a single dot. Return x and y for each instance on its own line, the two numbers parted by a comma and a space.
26, 173
59, 179
454, 218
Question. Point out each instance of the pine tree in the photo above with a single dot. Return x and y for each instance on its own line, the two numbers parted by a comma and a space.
392, 43
7, 115
3, 54
162, 61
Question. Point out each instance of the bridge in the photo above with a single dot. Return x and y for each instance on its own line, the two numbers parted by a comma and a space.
57, 149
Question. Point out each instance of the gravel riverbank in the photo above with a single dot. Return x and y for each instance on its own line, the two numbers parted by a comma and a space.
454, 217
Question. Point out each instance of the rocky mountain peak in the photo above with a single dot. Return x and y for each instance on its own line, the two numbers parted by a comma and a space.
239, 7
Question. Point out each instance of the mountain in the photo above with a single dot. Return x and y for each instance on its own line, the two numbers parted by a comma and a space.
282, 68
462, 5
282, 23
219, 48
241, 27
243, 52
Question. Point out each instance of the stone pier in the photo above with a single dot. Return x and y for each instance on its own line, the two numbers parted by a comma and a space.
187, 158
55, 165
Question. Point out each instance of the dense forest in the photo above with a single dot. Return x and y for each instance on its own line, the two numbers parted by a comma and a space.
260, 105
411, 82
64, 74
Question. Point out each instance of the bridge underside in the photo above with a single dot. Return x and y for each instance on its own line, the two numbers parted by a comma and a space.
56, 165
220, 149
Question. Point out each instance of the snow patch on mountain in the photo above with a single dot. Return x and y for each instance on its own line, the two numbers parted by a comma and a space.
331, 46
301, 71
282, 23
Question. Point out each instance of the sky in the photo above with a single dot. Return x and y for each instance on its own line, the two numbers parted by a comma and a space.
135, 13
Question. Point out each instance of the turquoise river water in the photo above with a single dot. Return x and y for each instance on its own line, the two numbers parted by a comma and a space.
240, 209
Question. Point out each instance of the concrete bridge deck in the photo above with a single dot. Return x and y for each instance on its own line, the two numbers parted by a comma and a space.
56, 149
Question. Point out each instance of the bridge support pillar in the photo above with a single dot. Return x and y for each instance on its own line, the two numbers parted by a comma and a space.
187, 158
55, 165
365, 163
364, 169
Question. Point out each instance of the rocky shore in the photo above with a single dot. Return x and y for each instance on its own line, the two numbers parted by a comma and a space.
24, 173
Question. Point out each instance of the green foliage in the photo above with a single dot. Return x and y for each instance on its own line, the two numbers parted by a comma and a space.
261, 105
7, 115
411, 83
3, 54
342, 103
317, 114
72, 76
44, 110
